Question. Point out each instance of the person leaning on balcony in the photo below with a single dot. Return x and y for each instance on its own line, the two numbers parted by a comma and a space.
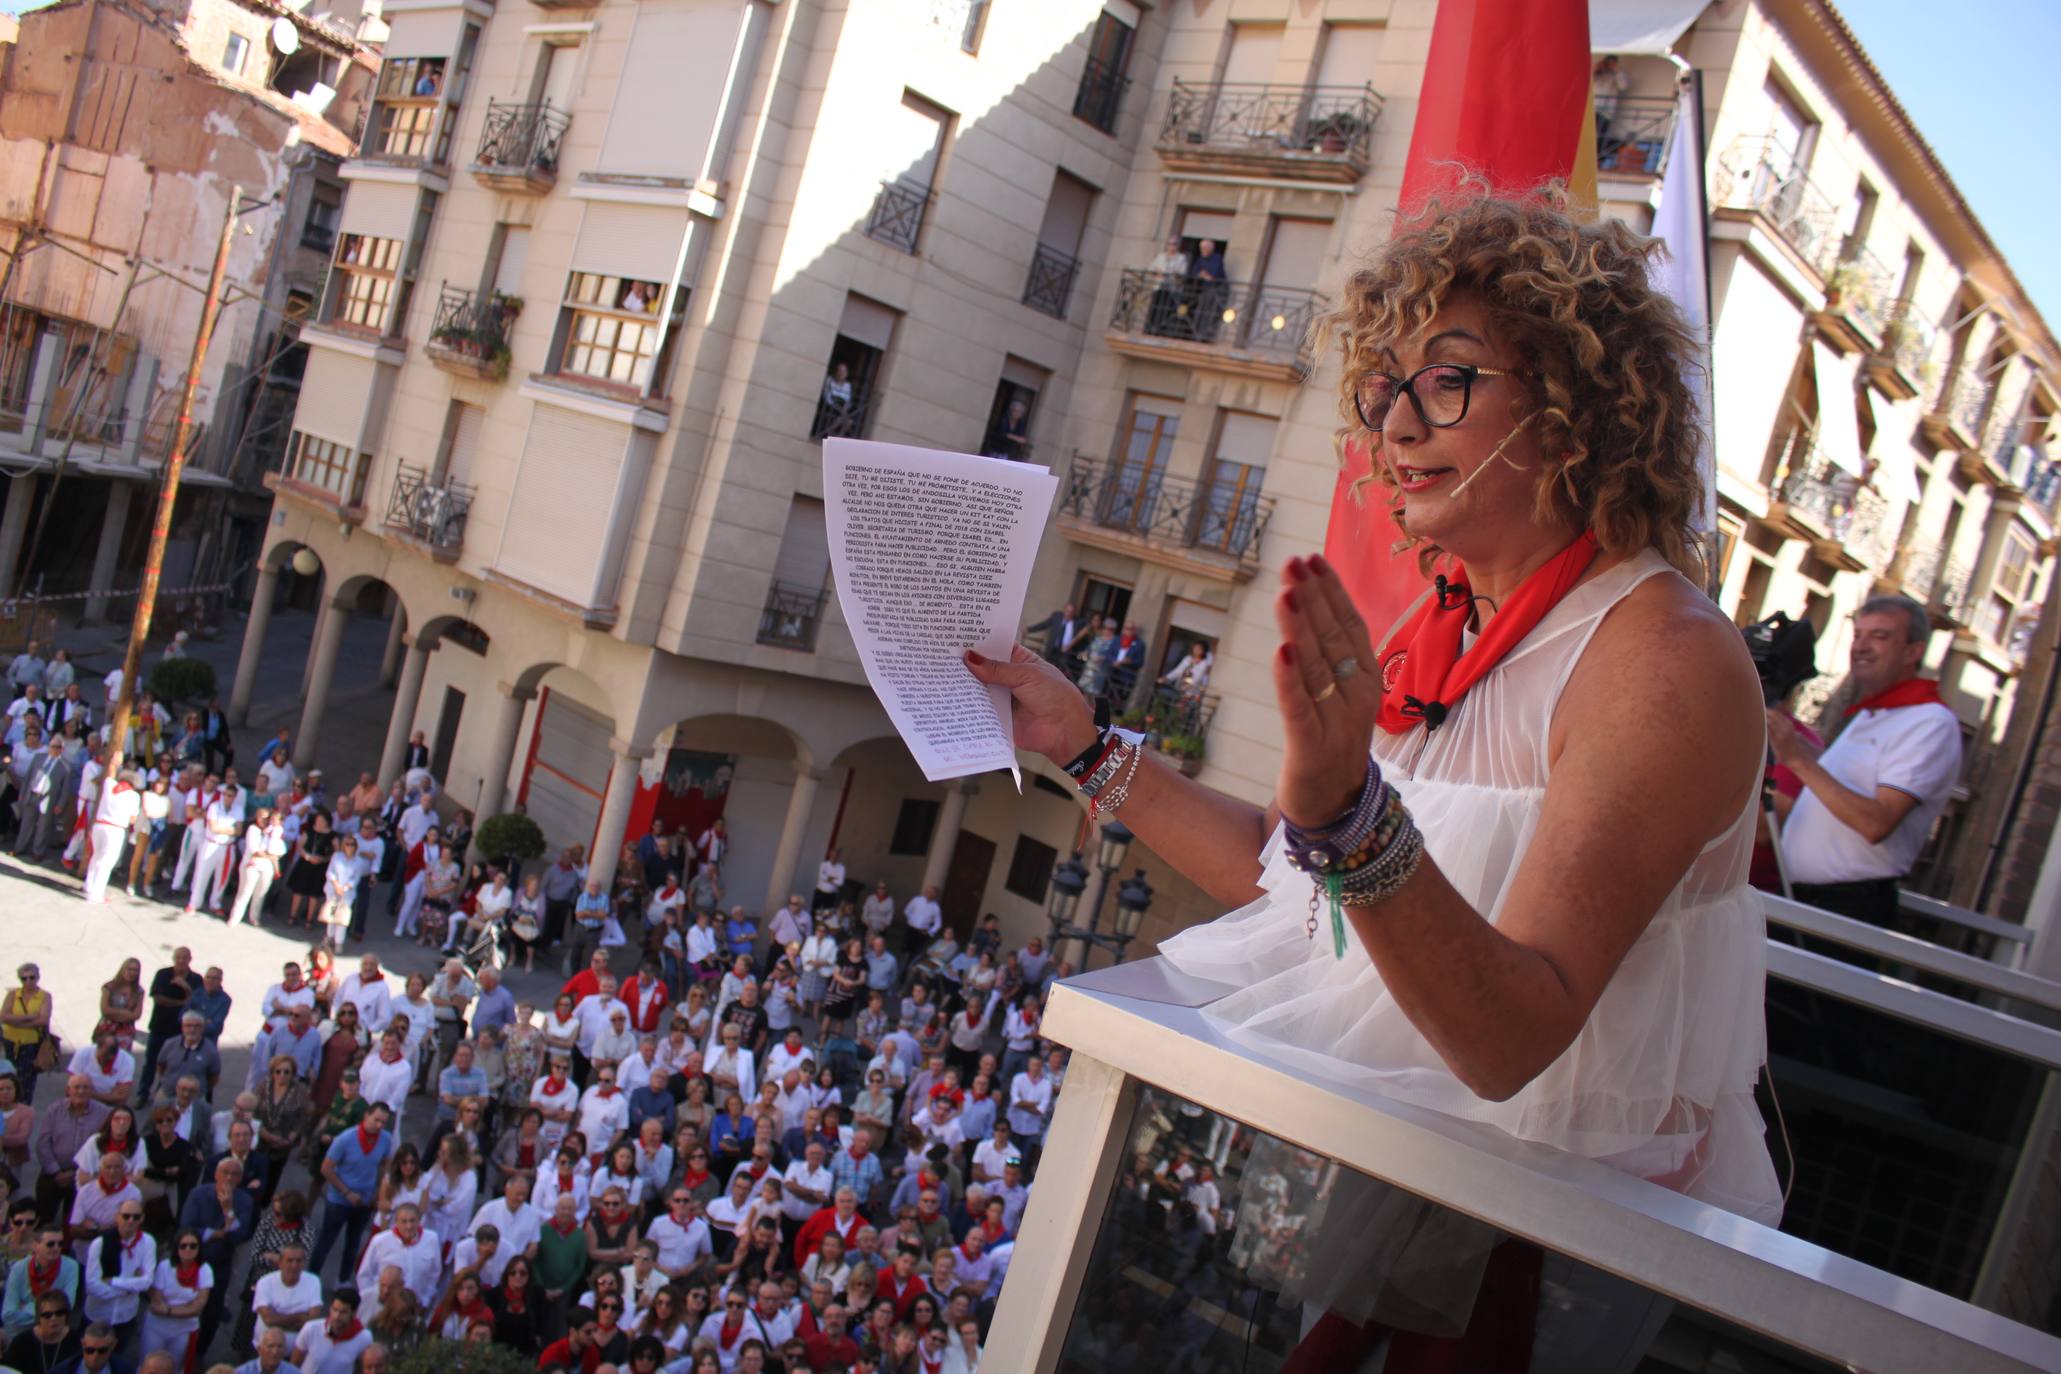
1169, 278
1528, 859
1870, 798
1206, 290
1608, 84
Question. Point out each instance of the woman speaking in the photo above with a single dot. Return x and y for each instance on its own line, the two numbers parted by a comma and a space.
1504, 872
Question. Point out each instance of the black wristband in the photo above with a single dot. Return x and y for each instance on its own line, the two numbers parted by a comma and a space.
1085, 760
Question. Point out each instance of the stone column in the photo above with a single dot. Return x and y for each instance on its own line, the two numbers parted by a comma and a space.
14, 527
112, 525
253, 644
322, 616
396, 641
615, 812
398, 726
328, 639
951, 818
493, 797
42, 394
787, 854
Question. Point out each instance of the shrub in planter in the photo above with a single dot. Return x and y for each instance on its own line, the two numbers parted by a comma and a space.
438, 1356
511, 835
176, 681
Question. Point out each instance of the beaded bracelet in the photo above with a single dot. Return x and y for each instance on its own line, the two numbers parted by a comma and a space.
1361, 859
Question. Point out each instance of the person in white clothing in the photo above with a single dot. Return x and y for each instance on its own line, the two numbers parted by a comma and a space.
333, 1346
215, 853
264, 845
681, 1236
558, 1098
178, 1294
514, 1218
416, 1251
385, 1077
924, 918
190, 812
604, 1112
115, 1288
120, 804
368, 991
790, 924
807, 1184
1870, 798
340, 891
292, 990
289, 1297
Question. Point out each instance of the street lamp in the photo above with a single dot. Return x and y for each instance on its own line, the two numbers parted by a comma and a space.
1070, 881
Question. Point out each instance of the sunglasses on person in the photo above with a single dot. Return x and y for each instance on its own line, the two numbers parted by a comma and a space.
97, 1349
52, 1314
737, 1303
128, 1216
1440, 392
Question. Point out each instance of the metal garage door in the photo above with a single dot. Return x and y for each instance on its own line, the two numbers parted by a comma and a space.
568, 770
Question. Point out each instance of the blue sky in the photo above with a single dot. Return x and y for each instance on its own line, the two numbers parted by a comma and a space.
1977, 77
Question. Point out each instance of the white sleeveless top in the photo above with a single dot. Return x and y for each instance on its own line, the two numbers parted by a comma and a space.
1659, 1082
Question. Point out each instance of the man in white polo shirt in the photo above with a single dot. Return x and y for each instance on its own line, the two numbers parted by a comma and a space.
1870, 798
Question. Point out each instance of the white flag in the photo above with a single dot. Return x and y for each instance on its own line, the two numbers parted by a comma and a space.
1681, 221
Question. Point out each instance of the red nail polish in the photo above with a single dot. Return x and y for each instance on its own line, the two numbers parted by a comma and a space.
1288, 654
974, 657
1317, 562
1289, 597
1296, 569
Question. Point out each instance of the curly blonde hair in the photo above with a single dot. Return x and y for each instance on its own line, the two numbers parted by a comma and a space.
1604, 355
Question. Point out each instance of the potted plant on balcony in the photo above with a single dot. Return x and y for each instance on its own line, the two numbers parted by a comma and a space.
1335, 132
1184, 750
1845, 285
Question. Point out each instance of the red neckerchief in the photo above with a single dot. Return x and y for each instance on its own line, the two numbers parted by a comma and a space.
129, 1245
39, 1281
690, 1179
553, 1085
347, 1334
1424, 678
188, 1275
513, 1300
933, 1366
367, 978
526, 1155
605, 1090
386, 1058
565, 1230
733, 1327
366, 1143
1912, 691
565, 1180
106, 1061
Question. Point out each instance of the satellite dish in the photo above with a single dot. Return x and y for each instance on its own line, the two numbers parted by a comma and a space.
285, 37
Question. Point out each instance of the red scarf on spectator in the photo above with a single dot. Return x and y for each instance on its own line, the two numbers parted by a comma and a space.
1424, 674
40, 1280
690, 1179
187, 1274
554, 1084
733, 1327
347, 1334
526, 1155
565, 1230
367, 978
366, 1142
1912, 691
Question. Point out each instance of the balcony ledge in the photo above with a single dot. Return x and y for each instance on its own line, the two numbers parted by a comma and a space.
415, 171
321, 498
1888, 376
702, 198
1264, 159
1238, 362
1978, 466
598, 399
521, 181
359, 344
464, 362
1945, 431
592, 617
1793, 522
1198, 562
1845, 330
447, 554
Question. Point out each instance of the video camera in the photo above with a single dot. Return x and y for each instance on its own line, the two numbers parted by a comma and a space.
1784, 652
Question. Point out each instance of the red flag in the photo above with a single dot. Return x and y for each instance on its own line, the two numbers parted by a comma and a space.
1506, 96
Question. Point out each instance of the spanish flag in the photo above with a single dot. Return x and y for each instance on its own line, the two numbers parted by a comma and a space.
1506, 97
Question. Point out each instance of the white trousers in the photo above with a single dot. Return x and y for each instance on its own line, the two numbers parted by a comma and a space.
189, 846
254, 882
107, 852
210, 874
410, 919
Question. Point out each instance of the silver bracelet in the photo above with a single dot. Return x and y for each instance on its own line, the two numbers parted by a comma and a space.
1121, 792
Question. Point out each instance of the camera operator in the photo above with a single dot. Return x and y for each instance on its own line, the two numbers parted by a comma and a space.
1869, 800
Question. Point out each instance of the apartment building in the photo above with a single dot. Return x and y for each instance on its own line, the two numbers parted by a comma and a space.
592, 310
123, 128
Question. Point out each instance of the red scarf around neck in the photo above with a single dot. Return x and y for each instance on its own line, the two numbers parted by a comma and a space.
1912, 691
367, 1141
1425, 675
40, 1280
348, 1333
187, 1274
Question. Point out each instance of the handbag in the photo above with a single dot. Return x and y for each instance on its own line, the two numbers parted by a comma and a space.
46, 1053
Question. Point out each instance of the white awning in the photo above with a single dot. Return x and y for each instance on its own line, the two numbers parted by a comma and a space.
1640, 26
1839, 428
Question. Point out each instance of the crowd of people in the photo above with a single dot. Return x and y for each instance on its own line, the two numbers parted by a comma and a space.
725, 1143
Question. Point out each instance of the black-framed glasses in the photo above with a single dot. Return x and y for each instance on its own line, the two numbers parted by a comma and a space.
1440, 391
52, 1314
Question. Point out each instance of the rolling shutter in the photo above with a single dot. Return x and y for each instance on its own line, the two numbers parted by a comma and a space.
1246, 439
804, 560
641, 241
423, 33
564, 491
336, 393
867, 322
668, 99
378, 208
1350, 52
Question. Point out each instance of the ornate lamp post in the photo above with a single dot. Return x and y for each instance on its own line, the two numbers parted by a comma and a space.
1070, 880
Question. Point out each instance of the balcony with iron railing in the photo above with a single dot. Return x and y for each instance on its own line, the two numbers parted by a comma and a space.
961, 19
1916, 570
2040, 476
1308, 133
1952, 596
1050, 284
1175, 722
1759, 177
1860, 300
1257, 330
843, 419
429, 511
470, 335
1898, 364
1828, 505
518, 147
1100, 97
1955, 418
791, 616
1633, 141
1210, 527
898, 212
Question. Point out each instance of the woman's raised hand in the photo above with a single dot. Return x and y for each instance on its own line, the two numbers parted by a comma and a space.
1329, 688
1052, 717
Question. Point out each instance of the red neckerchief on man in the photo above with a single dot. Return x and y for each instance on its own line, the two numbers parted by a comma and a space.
1424, 675
368, 1141
1912, 691
40, 1280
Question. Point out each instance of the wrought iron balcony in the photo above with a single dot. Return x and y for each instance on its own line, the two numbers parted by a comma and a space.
1101, 95
1238, 326
518, 147
898, 211
842, 421
1917, 570
1758, 174
430, 512
791, 617
1319, 133
1051, 280
1955, 419
1176, 723
1951, 597
470, 333
1213, 527
2042, 482
1860, 299
1633, 142
1829, 506
1898, 364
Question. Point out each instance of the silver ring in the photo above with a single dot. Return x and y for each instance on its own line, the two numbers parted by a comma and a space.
1345, 668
